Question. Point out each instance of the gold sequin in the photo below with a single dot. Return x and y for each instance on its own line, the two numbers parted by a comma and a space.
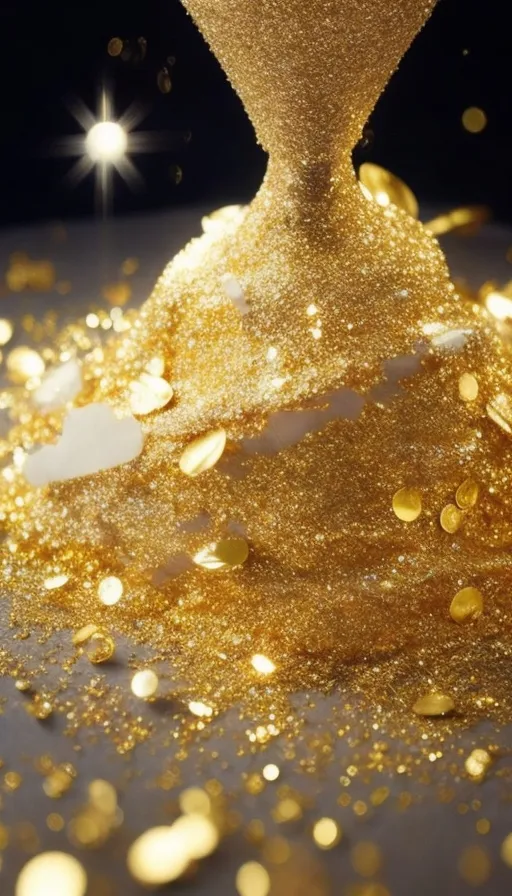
451, 518
148, 394
407, 504
434, 705
468, 387
203, 453
467, 494
466, 605
226, 554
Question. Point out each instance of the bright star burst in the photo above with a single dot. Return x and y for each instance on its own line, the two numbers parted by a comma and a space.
106, 145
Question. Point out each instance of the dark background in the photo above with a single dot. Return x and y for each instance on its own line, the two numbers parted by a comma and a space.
55, 52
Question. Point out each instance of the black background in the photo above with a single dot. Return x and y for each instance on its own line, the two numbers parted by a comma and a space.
53, 52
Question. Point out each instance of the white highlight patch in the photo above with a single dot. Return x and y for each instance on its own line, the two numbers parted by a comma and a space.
451, 340
234, 291
92, 439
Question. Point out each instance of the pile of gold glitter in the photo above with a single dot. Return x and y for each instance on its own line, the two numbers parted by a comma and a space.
325, 480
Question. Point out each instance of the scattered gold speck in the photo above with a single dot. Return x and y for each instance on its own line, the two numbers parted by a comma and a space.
145, 683
226, 554
203, 453
435, 704
262, 664
197, 708
52, 872
407, 504
467, 604
252, 879
326, 833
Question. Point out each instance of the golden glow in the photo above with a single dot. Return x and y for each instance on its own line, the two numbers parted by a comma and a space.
51, 873
262, 664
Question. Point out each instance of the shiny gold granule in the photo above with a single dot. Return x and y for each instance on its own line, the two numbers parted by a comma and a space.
407, 504
203, 453
451, 518
467, 604
434, 705
100, 647
52, 872
467, 494
326, 833
145, 683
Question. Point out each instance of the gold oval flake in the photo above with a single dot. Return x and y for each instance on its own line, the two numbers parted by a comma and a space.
407, 504
203, 453
466, 605
451, 518
467, 494
226, 554
386, 189
148, 394
468, 387
434, 705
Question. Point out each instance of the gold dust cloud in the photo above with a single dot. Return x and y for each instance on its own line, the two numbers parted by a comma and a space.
315, 397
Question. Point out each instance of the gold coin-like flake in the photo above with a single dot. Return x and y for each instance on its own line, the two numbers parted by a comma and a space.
468, 387
434, 705
451, 518
225, 554
466, 605
148, 394
407, 504
203, 453
467, 494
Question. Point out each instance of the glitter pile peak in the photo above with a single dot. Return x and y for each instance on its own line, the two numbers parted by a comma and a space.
297, 487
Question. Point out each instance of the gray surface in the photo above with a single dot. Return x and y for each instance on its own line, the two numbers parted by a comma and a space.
421, 845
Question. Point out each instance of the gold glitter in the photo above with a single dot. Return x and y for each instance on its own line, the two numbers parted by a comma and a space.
153, 861
148, 394
203, 453
12, 780
84, 634
474, 120
467, 494
506, 850
468, 387
156, 366
271, 772
477, 763
145, 683
466, 605
40, 708
252, 879
366, 858
326, 833
474, 865
194, 801
451, 518
52, 872
6, 331
54, 582
287, 809
226, 554
23, 364
99, 647
386, 188
262, 664
197, 708
434, 705
57, 783
407, 504
103, 796
110, 591
500, 412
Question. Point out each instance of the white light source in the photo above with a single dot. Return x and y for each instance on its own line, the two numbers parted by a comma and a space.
106, 141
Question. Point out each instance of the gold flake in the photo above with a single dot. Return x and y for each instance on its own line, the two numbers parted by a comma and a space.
407, 504
115, 46
465, 221
99, 647
500, 412
262, 664
467, 494
435, 704
468, 387
451, 518
145, 683
271, 772
6, 331
252, 879
225, 554
326, 833
474, 120
103, 796
203, 453
23, 364
197, 708
477, 763
54, 582
148, 394
154, 860
110, 590
499, 305
385, 188
52, 872
466, 605
84, 634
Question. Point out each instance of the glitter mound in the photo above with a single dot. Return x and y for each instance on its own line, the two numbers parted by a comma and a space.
326, 460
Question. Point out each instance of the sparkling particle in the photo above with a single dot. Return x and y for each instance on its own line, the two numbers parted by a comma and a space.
59, 386
451, 518
23, 364
474, 120
262, 664
252, 879
271, 772
84, 634
477, 763
195, 801
467, 494
203, 453
54, 582
145, 683
466, 605
326, 833
468, 387
52, 873
407, 504
500, 306
110, 590
148, 394
226, 554
197, 708
385, 188
155, 858
99, 648
434, 705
